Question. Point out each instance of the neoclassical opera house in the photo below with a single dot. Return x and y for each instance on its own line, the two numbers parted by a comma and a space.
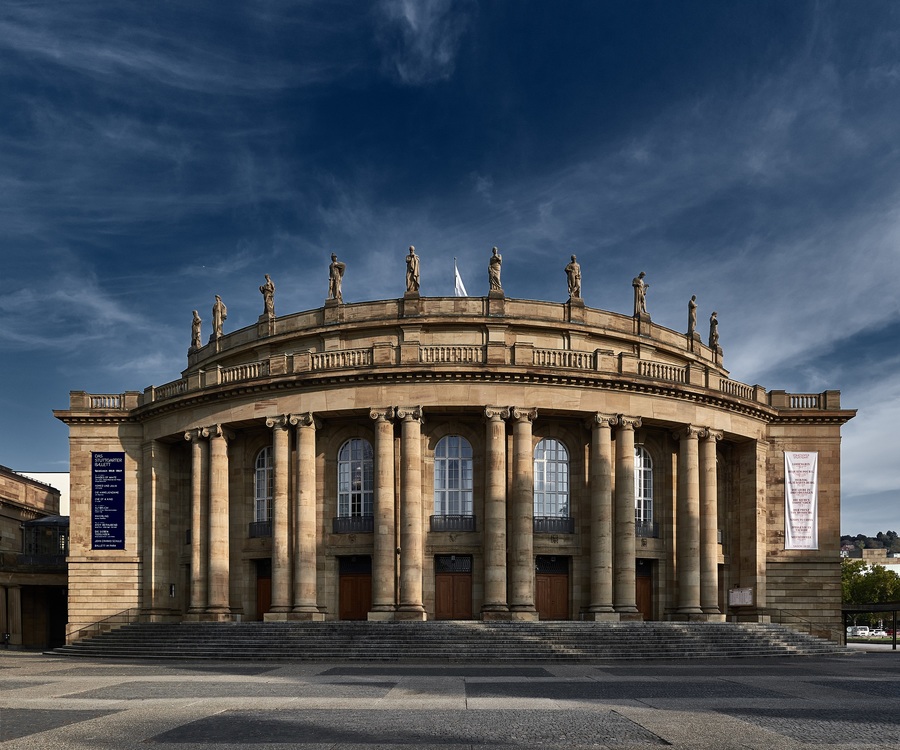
450, 457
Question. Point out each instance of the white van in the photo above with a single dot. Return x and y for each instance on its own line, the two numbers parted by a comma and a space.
860, 631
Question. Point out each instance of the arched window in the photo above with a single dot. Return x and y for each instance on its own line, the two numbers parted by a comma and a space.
551, 479
453, 477
643, 488
262, 490
355, 478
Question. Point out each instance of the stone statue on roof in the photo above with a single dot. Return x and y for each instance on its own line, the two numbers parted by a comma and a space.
412, 270
335, 278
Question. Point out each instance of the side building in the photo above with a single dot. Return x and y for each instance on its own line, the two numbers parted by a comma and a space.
477, 457
34, 542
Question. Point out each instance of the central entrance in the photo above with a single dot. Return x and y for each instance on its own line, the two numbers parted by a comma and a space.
453, 587
551, 587
355, 587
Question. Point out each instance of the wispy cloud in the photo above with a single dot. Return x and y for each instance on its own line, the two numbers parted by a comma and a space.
421, 38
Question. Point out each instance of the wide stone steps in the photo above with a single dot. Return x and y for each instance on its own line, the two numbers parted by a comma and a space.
456, 641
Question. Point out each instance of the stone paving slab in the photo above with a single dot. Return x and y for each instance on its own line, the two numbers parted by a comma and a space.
758, 704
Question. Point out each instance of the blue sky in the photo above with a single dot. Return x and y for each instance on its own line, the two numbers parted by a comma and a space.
153, 155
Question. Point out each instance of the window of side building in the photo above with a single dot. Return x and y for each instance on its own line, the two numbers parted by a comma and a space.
355, 479
643, 492
453, 477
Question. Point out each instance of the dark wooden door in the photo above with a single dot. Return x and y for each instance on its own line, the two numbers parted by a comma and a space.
644, 596
263, 596
453, 596
552, 595
355, 596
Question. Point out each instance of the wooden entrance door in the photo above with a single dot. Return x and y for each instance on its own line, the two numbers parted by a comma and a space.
453, 596
551, 587
263, 587
643, 587
354, 587
453, 587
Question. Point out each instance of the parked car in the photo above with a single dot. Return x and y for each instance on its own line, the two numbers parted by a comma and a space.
878, 633
859, 631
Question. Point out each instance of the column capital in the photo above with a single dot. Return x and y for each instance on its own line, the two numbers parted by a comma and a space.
383, 414
193, 435
409, 413
496, 413
689, 432
279, 422
628, 423
601, 420
216, 431
521, 413
306, 419
712, 435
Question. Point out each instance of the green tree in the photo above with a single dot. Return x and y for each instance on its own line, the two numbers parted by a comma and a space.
861, 584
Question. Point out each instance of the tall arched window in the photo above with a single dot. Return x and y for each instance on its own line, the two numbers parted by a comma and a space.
355, 478
643, 488
551, 479
262, 491
453, 477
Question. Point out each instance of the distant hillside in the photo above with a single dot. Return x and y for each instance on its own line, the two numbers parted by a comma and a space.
883, 539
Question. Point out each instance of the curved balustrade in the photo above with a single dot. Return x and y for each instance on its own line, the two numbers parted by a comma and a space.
342, 359
564, 358
245, 372
108, 401
740, 390
452, 354
662, 371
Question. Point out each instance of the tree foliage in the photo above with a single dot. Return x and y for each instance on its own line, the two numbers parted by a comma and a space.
861, 584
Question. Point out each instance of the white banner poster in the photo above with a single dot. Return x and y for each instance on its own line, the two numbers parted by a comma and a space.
801, 494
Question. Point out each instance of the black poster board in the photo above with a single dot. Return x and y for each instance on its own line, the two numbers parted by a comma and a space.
107, 500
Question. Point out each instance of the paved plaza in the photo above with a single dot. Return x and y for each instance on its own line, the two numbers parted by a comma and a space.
65, 703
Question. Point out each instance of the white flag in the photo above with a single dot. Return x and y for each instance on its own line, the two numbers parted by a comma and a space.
459, 288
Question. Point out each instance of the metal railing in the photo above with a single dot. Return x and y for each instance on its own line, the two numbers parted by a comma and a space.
353, 525
453, 523
799, 622
554, 525
260, 529
125, 617
649, 530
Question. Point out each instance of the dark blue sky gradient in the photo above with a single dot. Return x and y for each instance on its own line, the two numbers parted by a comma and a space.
155, 154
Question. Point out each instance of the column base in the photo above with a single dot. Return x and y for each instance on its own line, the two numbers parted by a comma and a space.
495, 612
601, 616
275, 616
217, 617
689, 617
306, 616
381, 615
524, 615
413, 614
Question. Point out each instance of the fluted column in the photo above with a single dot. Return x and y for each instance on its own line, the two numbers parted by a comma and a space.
217, 591
199, 514
687, 537
521, 574
304, 594
495, 606
281, 563
601, 603
624, 596
411, 537
154, 536
709, 525
384, 574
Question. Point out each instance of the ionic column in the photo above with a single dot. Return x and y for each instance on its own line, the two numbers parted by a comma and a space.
411, 538
155, 537
601, 603
624, 595
687, 537
709, 523
217, 591
304, 593
199, 513
281, 562
385, 541
521, 575
495, 606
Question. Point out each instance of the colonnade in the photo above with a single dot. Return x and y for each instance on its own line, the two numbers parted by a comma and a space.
508, 562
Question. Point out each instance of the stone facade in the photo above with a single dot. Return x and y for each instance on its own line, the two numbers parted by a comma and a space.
33, 545
478, 457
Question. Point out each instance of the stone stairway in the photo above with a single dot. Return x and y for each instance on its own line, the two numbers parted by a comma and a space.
449, 641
